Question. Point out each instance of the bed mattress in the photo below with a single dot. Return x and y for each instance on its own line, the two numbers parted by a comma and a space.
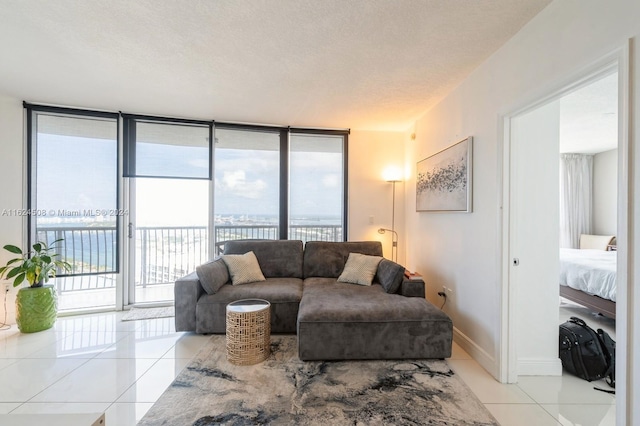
591, 271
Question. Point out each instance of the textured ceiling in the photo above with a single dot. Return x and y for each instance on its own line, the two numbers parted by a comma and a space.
362, 64
589, 117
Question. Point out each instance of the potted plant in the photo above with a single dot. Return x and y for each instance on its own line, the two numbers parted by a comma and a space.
36, 305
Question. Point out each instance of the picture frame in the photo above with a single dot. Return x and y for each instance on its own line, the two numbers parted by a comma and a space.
444, 180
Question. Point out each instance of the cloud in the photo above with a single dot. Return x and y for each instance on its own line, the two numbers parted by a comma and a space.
232, 180
236, 183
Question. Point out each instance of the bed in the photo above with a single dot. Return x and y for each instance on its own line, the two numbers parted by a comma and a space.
588, 277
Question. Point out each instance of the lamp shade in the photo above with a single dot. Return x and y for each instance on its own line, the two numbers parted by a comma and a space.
392, 174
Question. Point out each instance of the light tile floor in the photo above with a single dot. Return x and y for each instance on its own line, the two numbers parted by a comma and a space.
565, 400
97, 363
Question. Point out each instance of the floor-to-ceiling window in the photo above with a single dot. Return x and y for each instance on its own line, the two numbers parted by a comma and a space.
279, 183
168, 170
73, 199
247, 184
137, 209
316, 187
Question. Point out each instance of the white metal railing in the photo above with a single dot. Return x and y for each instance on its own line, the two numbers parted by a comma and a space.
163, 254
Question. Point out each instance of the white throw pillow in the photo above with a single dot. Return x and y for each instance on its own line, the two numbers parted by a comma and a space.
243, 268
360, 269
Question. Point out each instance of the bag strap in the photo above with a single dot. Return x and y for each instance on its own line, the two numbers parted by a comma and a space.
605, 390
578, 321
609, 348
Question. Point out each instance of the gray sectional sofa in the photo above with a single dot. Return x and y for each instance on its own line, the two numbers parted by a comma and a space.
390, 319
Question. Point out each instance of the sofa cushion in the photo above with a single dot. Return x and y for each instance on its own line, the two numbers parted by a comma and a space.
344, 321
277, 258
284, 294
390, 275
213, 275
243, 268
359, 269
325, 300
272, 289
327, 259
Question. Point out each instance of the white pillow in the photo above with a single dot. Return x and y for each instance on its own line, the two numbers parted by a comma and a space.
243, 268
360, 269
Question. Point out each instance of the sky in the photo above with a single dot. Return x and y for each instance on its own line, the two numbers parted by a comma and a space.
79, 174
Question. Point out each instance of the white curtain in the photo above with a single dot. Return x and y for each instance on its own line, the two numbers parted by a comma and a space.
576, 183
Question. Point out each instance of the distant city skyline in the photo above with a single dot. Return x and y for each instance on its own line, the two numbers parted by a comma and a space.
246, 182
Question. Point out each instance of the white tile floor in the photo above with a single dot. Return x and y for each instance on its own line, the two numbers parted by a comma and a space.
97, 363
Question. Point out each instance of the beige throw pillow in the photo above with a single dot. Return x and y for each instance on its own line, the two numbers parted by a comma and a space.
359, 269
243, 268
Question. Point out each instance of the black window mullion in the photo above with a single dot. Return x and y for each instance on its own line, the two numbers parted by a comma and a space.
284, 185
31, 201
129, 144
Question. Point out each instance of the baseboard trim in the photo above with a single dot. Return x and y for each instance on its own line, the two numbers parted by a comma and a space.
539, 367
481, 356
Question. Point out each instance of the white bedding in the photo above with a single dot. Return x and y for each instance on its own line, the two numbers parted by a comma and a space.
592, 271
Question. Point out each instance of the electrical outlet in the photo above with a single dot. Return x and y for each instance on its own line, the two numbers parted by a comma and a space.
449, 291
371, 220
443, 293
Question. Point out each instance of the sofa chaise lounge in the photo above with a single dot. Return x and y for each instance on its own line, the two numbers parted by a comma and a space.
389, 319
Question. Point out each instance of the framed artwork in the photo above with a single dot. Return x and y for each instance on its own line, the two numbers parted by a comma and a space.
443, 181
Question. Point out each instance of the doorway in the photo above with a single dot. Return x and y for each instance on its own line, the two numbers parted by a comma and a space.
514, 317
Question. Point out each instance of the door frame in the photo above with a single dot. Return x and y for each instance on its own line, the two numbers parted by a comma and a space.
506, 345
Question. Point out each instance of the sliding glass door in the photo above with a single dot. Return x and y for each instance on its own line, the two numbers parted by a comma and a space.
168, 170
171, 236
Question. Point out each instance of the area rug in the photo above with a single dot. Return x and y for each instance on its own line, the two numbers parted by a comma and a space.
135, 314
286, 391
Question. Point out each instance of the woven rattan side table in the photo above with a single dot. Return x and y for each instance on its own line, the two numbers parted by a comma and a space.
248, 331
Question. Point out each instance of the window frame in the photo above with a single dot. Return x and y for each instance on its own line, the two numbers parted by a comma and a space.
285, 134
126, 159
345, 167
31, 123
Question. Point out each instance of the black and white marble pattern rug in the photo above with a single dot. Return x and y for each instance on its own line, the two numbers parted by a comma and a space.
286, 391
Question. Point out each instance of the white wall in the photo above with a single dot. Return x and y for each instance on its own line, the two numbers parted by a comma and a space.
370, 153
11, 188
605, 192
463, 250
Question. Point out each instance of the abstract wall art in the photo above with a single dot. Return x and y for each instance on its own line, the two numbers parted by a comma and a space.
443, 180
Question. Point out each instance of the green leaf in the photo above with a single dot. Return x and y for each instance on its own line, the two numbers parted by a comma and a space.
18, 280
4, 268
12, 261
13, 249
47, 259
12, 273
37, 247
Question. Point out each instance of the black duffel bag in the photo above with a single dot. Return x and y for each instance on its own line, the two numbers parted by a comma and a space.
586, 353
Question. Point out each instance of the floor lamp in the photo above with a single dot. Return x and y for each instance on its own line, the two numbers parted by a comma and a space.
394, 237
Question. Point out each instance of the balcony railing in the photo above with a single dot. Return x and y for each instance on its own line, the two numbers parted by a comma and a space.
163, 254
